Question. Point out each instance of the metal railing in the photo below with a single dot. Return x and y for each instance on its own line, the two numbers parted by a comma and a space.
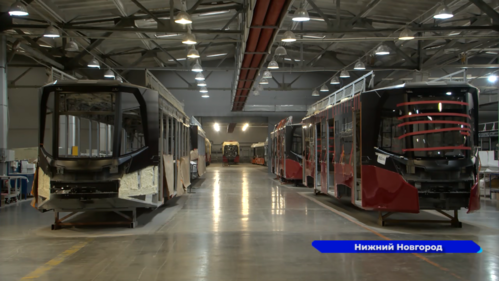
458, 76
275, 108
153, 83
57, 75
489, 126
358, 86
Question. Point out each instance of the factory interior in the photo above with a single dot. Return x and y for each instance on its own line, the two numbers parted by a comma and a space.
218, 139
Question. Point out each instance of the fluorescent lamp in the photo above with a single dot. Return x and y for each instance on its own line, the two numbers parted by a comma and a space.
406, 34
199, 77
344, 74
193, 53
289, 36
382, 50
280, 51
179, 59
314, 36
183, 18
51, 32
109, 74
214, 13
359, 66
216, 55
165, 35
197, 67
267, 74
335, 80
301, 15
18, 9
443, 13
189, 39
93, 63
71, 46
273, 65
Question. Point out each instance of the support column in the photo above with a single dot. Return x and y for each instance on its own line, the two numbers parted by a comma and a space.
4, 105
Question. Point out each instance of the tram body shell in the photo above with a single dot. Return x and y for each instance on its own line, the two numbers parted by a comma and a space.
85, 163
198, 149
286, 151
399, 149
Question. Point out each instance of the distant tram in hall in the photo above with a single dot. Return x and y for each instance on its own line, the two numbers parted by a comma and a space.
230, 152
110, 146
258, 153
286, 147
405, 148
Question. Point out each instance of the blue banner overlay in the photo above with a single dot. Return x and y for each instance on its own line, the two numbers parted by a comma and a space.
396, 246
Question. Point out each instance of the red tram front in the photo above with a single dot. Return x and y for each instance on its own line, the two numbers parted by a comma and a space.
399, 149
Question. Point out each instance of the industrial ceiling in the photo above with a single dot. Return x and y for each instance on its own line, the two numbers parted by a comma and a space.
244, 36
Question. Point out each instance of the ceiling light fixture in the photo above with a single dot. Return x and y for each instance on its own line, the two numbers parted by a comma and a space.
264, 81
193, 53
273, 65
18, 9
344, 74
216, 55
203, 90
197, 67
406, 34
382, 50
216, 127
165, 35
324, 88
280, 51
443, 13
201, 84
51, 32
289, 36
267, 74
301, 15
245, 126
109, 74
189, 39
256, 93
315, 93
71, 46
359, 66
492, 78
214, 13
93, 63
183, 18
119, 79
205, 96
335, 80
199, 77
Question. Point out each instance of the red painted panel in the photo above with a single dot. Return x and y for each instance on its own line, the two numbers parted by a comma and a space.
309, 170
387, 191
433, 131
293, 170
433, 122
343, 174
260, 161
236, 160
437, 148
474, 203
224, 159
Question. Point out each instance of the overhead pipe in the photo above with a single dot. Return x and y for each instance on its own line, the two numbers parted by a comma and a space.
259, 42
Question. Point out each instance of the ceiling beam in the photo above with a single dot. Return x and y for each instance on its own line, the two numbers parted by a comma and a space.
484, 7
319, 11
231, 127
391, 30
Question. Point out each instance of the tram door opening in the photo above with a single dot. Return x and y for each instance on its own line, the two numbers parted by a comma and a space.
357, 139
330, 138
318, 148
324, 156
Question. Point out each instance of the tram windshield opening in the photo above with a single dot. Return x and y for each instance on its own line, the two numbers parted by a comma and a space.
429, 125
86, 124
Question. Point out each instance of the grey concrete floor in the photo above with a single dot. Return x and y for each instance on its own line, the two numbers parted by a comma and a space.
239, 224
